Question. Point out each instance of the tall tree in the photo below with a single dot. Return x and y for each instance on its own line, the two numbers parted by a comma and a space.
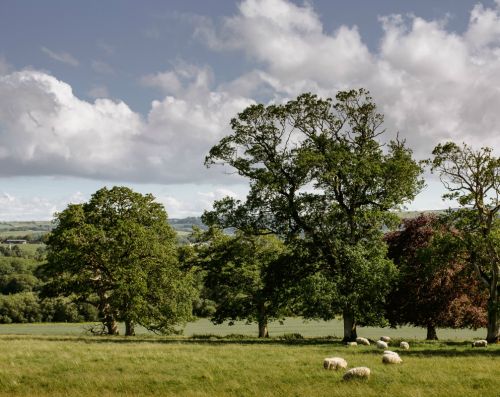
435, 287
473, 178
318, 171
118, 252
242, 276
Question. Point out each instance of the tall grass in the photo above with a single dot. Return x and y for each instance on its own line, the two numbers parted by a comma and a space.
99, 366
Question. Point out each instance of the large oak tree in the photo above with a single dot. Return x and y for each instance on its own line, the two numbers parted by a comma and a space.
320, 171
118, 252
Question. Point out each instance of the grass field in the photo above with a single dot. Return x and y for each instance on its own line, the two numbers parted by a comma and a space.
119, 366
291, 325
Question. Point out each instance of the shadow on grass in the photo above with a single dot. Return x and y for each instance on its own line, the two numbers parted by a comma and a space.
204, 340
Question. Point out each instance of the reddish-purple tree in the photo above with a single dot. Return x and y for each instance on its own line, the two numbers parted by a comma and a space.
435, 287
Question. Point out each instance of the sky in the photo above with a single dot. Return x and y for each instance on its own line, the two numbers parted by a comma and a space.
122, 92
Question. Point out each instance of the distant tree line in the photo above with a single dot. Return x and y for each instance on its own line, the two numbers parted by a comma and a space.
307, 241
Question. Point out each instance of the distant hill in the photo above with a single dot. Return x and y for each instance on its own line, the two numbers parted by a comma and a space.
34, 230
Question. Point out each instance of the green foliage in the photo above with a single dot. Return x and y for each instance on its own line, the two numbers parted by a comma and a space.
473, 178
319, 172
241, 275
119, 253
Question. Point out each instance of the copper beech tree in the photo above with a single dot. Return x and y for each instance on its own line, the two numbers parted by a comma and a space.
435, 286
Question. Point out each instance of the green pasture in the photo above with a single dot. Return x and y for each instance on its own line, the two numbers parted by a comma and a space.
136, 366
204, 328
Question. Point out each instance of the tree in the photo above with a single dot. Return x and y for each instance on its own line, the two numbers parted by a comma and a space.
435, 287
118, 252
473, 178
242, 276
318, 172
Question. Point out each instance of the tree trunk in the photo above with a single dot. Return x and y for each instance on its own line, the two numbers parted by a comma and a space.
350, 333
431, 332
129, 328
111, 325
493, 320
263, 331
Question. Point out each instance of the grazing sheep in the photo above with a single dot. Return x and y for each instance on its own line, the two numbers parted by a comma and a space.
363, 341
357, 373
381, 344
404, 345
480, 343
392, 358
334, 363
351, 344
385, 339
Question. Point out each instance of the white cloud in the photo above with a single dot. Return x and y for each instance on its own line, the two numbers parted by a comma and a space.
430, 83
63, 57
47, 130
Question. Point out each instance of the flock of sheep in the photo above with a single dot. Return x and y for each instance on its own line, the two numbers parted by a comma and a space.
388, 357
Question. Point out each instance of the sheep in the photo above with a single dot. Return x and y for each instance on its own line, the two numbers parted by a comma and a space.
392, 358
363, 341
480, 343
334, 363
357, 373
381, 344
351, 344
385, 339
404, 345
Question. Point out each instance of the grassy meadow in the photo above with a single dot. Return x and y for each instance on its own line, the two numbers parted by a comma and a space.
60, 360
101, 366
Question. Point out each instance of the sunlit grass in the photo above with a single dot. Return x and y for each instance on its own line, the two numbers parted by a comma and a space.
88, 366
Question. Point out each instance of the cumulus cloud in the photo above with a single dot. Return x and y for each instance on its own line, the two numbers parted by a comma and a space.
431, 84
46, 130
61, 56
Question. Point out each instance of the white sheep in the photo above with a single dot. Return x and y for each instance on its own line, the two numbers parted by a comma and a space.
363, 341
357, 373
351, 344
334, 363
381, 344
480, 343
404, 345
386, 339
392, 358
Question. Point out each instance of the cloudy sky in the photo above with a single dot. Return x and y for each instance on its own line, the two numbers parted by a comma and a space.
98, 93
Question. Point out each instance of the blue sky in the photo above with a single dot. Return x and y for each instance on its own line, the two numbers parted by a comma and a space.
100, 93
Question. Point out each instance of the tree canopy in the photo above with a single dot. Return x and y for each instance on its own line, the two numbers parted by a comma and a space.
473, 178
242, 276
435, 287
319, 171
118, 252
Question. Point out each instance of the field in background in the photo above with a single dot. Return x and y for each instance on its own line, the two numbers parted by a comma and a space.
291, 325
102, 366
